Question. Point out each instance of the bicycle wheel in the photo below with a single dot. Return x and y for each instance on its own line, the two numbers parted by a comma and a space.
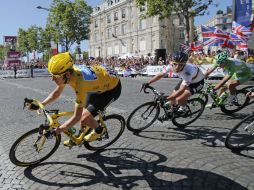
196, 107
143, 116
242, 135
248, 89
115, 127
201, 95
23, 152
242, 101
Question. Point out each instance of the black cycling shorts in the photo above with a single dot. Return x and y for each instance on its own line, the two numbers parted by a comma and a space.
96, 102
193, 88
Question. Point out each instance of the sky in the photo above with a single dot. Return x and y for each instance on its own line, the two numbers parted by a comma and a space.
17, 14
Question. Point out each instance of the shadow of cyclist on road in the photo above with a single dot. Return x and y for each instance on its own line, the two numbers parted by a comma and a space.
125, 169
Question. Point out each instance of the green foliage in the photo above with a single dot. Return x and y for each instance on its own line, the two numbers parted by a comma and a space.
3, 51
186, 9
68, 22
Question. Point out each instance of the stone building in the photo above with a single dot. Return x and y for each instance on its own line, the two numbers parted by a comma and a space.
118, 29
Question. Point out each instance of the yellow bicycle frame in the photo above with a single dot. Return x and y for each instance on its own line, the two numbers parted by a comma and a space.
54, 123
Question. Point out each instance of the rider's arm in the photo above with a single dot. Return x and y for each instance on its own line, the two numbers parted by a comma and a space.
72, 121
209, 71
180, 91
222, 82
53, 95
156, 77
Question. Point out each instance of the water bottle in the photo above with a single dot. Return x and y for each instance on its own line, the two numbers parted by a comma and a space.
72, 131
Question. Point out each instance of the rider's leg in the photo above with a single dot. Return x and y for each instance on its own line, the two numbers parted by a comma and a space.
232, 84
97, 103
182, 99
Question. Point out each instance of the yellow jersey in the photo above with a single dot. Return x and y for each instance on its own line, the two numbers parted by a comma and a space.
87, 79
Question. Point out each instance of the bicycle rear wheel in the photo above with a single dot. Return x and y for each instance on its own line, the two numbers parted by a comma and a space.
196, 107
24, 150
242, 135
143, 116
115, 126
242, 101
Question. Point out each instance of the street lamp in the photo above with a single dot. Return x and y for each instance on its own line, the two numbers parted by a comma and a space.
40, 7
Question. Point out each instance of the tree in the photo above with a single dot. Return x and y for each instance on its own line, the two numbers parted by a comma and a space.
186, 9
23, 44
68, 22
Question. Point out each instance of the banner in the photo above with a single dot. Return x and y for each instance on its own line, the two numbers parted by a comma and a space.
13, 54
243, 12
10, 39
12, 62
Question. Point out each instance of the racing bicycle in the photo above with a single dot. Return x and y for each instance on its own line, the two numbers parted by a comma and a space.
241, 135
221, 100
147, 113
40, 143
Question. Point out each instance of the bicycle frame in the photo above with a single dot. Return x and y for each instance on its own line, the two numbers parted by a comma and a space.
52, 121
218, 101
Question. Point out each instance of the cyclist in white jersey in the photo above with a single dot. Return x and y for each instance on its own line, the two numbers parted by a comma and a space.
192, 80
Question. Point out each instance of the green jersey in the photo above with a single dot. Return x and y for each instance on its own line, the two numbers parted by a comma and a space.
237, 69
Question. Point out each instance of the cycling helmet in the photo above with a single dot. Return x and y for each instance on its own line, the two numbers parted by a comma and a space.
180, 57
60, 63
221, 57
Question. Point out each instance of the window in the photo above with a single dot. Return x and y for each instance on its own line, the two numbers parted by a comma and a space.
96, 23
124, 13
115, 16
116, 30
96, 36
116, 48
108, 18
181, 32
124, 47
142, 44
109, 33
142, 24
124, 28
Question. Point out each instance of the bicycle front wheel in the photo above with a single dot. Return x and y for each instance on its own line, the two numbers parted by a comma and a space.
143, 116
242, 101
242, 135
115, 126
196, 107
24, 152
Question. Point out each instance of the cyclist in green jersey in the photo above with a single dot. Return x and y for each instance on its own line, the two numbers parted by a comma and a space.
237, 72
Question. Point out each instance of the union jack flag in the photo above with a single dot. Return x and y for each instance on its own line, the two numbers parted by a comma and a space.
241, 30
185, 47
242, 46
196, 46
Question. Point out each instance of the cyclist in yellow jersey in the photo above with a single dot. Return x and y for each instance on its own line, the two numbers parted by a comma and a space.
103, 89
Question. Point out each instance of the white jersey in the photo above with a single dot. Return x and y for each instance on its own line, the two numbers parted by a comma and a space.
190, 73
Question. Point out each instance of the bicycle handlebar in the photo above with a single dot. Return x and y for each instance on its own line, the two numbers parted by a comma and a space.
28, 102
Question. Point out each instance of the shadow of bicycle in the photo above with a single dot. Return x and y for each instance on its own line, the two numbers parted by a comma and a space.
126, 169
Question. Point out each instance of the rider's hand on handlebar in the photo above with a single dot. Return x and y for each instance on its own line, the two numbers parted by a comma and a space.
213, 92
144, 86
33, 107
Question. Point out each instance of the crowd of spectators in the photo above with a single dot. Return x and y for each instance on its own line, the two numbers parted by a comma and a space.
139, 63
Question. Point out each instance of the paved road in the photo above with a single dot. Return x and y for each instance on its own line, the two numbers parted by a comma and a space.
161, 157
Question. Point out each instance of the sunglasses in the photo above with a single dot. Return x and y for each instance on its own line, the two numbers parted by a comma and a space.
57, 76
175, 64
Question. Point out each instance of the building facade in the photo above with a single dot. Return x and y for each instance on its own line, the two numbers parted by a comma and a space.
117, 29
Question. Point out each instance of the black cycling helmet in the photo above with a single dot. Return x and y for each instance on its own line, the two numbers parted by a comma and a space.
180, 57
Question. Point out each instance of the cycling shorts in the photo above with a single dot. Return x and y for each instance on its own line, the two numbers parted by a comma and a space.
98, 102
193, 88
